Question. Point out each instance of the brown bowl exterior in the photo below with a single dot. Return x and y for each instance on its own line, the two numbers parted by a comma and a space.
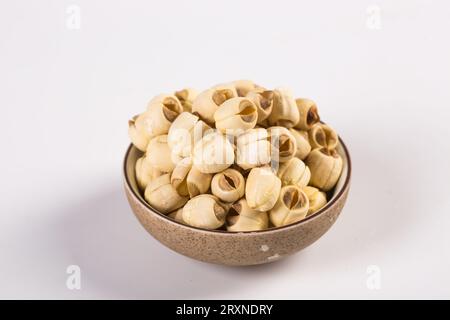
236, 248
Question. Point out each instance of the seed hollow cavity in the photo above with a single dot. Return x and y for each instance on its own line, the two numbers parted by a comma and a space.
266, 99
233, 214
220, 96
293, 199
321, 137
228, 182
329, 152
182, 95
286, 145
219, 211
171, 109
313, 116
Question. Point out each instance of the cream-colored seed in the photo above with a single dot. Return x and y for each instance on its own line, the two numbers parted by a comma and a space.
159, 155
292, 206
326, 168
228, 185
236, 115
283, 144
207, 102
180, 134
175, 159
243, 218
177, 215
178, 179
198, 182
262, 189
186, 98
309, 115
188, 181
145, 173
294, 172
263, 100
243, 87
285, 112
323, 136
317, 199
213, 153
302, 141
161, 195
139, 138
204, 211
253, 149
161, 112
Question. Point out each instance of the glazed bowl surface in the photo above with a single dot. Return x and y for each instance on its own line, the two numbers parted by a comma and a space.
236, 248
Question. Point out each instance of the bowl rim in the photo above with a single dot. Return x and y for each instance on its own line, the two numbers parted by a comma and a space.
224, 232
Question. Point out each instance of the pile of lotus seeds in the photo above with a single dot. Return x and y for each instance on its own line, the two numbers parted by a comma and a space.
236, 157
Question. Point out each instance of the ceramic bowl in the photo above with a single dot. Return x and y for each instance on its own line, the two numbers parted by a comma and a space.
236, 248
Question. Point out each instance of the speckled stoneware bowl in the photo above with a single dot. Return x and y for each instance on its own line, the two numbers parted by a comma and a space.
236, 248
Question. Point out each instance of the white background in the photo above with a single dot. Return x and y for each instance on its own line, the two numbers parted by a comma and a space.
66, 95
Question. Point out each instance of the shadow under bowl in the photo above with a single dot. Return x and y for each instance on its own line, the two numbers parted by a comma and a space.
236, 248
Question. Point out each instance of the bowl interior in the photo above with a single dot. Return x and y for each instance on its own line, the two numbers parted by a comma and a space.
133, 154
